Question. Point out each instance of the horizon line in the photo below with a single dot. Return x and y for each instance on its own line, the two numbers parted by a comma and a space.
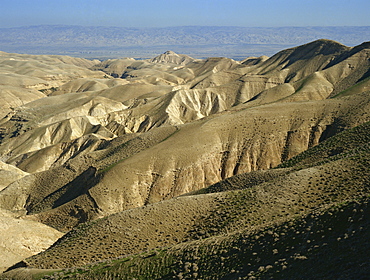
179, 26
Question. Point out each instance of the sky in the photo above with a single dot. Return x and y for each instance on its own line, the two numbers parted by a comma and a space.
166, 13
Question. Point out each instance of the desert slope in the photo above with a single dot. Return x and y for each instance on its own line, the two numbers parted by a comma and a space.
20, 238
106, 139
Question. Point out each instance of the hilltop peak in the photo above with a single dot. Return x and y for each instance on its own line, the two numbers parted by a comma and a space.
321, 46
318, 50
170, 53
172, 57
327, 43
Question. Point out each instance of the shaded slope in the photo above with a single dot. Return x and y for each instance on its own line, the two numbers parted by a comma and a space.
304, 60
336, 239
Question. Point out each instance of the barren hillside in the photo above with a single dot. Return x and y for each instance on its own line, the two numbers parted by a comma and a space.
191, 158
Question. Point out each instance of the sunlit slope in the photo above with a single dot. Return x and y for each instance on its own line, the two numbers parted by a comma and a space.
20, 238
25, 78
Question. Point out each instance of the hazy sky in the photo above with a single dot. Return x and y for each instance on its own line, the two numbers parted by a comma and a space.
163, 13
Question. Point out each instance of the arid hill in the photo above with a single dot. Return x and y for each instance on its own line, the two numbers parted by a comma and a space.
187, 160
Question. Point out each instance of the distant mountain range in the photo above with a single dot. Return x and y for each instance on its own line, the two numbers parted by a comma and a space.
197, 41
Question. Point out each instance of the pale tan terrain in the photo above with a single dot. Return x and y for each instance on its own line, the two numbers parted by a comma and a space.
21, 238
122, 138
24, 78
